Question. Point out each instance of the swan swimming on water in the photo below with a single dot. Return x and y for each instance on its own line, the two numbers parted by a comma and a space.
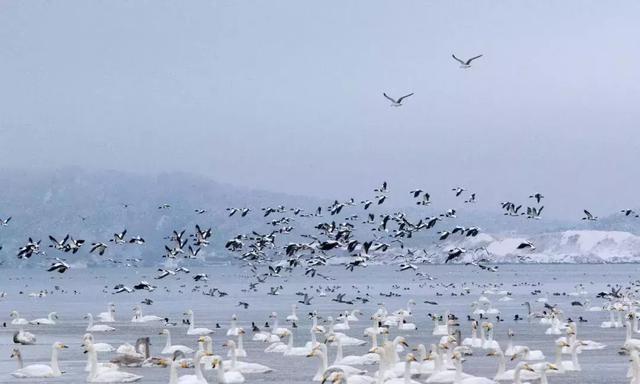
17, 320
23, 337
97, 375
39, 370
169, 349
192, 329
49, 320
97, 327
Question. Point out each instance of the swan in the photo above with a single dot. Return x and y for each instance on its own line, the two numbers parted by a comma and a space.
277, 330
170, 349
337, 376
366, 359
488, 342
503, 374
406, 378
473, 341
138, 317
511, 349
585, 345
192, 329
228, 377
441, 375
344, 326
23, 337
629, 340
240, 351
440, 330
543, 368
293, 317
321, 352
109, 316
88, 339
198, 378
17, 320
205, 343
106, 376
527, 354
565, 365
290, 350
97, 327
346, 340
426, 362
243, 366
406, 326
459, 377
233, 328
49, 320
100, 347
39, 370
353, 316
138, 356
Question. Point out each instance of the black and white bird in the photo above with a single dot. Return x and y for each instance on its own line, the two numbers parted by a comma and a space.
398, 102
58, 266
537, 196
73, 245
5, 222
98, 247
465, 64
164, 273
416, 192
526, 245
118, 238
136, 240
588, 216
58, 244
201, 276
200, 211
454, 253
458, 190
534, 213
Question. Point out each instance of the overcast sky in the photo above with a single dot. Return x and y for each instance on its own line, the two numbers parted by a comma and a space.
287, 95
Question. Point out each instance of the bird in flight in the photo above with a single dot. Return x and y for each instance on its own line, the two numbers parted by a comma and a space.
466, 64
398, 102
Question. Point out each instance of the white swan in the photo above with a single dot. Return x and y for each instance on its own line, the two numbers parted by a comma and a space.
169, 349
459, 377
474, 341
49, 320
198, 378
17, 320
290, 350
366, 359
100, 347
192, 328
293, 317
243, 366
277, 330
321, 352
344, 326
109, 316
39, 370
353, 316
488, 342
23, 337
228, 377
97, 327
406, 378
565, 365
510, 375
138, 317
106, 376
233, 328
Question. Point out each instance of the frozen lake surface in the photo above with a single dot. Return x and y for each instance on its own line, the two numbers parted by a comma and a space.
175, 295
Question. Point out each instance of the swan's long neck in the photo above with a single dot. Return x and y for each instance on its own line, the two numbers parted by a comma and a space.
290, 343
54, 362
191, 322
516, 375
20, 362
323, 363
374, 340
209, 346
173, 373
458, 376
483, 337
90, 321
382, 367
543, 377
275, 324
437, 363
559, 358
220, 373
490, 336
240, 342
198, 367
93, 363
502, 365
407, 372
168, 343
338, 351
635, 367
574, 356
474, 335
234, 356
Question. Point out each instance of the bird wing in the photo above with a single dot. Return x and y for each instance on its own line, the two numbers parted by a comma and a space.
389, 98
473, 58
402, 98
589, 215
458, 60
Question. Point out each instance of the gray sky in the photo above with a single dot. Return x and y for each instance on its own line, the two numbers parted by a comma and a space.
287, 95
